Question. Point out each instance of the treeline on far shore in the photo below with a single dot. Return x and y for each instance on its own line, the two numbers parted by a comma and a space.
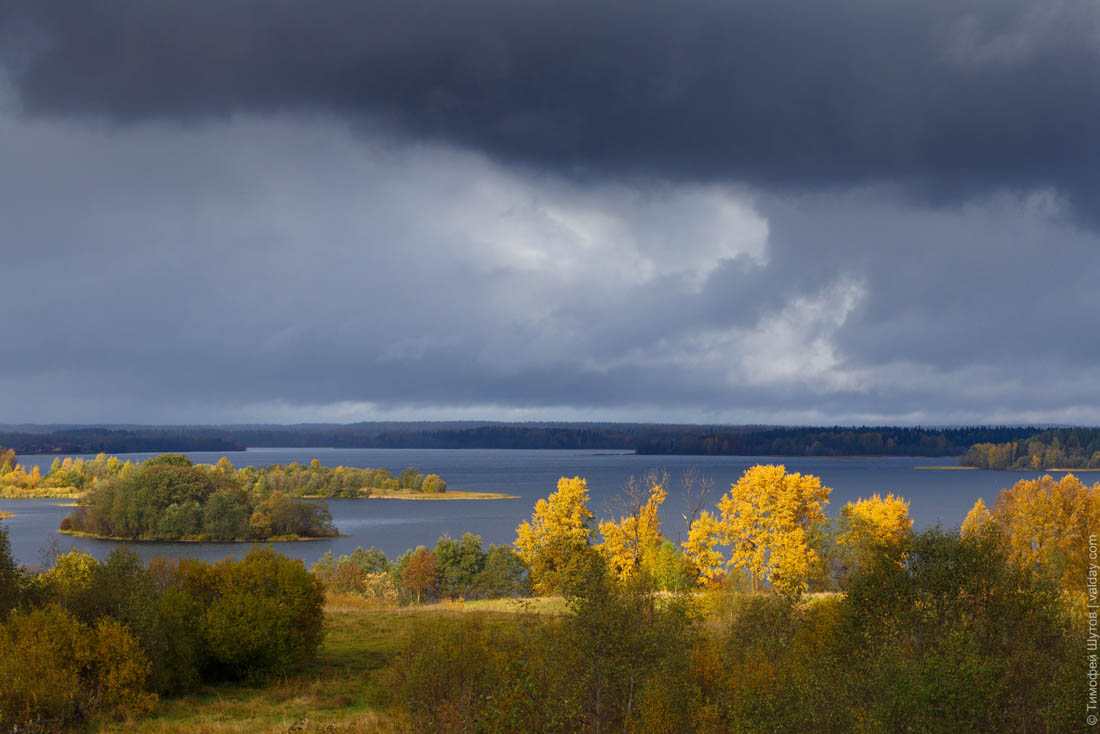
643, 438
1063, 448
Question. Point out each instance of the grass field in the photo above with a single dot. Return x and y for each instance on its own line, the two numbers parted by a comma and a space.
345, 690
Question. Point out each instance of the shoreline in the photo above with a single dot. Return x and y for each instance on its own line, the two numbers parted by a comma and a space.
450, 494
54, 496
1014, 469
456, 494
275, 539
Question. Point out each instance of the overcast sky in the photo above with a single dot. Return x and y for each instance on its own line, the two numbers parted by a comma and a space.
702, 211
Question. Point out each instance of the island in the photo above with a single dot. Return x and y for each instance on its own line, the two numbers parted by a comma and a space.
167, 498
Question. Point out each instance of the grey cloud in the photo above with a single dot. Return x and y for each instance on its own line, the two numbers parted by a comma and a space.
951, 99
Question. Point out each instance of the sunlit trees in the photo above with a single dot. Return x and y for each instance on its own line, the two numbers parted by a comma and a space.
433, 484
766, 519
556, 536
634, 541
867, 528
701, 547
1045, 523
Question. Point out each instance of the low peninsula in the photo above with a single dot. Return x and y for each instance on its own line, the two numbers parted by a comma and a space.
72, 478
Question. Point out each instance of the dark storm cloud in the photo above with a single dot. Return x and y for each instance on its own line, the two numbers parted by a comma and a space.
703, 211
949, 98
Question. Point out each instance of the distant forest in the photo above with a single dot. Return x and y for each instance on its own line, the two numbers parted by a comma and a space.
652, 439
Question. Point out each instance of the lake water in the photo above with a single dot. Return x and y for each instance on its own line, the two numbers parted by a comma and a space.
394, 525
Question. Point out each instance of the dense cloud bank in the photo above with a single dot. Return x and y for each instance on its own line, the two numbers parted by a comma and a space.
706, 212
949, 97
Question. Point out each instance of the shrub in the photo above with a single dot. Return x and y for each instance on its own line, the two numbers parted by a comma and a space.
264, 616
56, 671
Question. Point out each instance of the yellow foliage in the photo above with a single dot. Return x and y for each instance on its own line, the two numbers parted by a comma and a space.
54, 668
977, 519
703, 537
875, 522
634, 540
71, 572
559, 527
1045, 523
766, 518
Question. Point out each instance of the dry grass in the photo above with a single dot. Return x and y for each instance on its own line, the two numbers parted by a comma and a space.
450, 494
345, 690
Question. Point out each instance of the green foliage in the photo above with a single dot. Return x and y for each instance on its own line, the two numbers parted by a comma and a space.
981, 644
263, 616
460, 565
618, 661
462, 570
671, 570
11, 577
503, 574
412, 479
168, 460
167, 498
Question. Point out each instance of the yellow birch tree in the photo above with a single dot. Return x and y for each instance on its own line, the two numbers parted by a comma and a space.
634, 541
766, 519
556, 536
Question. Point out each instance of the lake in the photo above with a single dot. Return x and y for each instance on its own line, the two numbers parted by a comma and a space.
936, 496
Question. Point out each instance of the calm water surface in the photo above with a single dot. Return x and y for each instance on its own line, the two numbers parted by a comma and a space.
394, 525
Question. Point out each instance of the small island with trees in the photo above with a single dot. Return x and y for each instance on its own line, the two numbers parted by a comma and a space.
169, 498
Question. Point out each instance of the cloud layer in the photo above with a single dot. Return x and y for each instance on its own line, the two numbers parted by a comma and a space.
714, 212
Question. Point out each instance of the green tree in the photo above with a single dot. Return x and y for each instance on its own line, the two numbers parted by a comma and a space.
225, 516
459, 562
503, 574
412, 479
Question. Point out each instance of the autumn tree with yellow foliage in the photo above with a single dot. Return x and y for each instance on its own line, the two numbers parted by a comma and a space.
1045, 524
766, 519
867, 528
632, 544
555, 541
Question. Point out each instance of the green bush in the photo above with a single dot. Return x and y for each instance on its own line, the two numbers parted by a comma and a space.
264, 616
